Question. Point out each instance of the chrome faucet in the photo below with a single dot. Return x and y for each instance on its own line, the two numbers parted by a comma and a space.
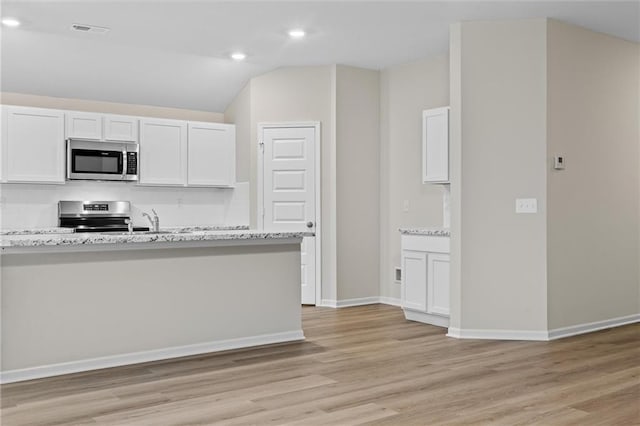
129, 223
155, 221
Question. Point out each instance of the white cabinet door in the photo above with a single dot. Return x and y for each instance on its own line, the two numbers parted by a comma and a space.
84, 125
33, 145
212, 154
120, 128
414, 280
438, 283
435, 145
163, 152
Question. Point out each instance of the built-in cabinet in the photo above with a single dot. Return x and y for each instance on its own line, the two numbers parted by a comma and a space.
211, 154
172, 152
33, 149
435, 145
101, 127
163, 152
425, 278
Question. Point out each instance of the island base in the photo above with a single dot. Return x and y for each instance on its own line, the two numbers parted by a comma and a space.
69, 312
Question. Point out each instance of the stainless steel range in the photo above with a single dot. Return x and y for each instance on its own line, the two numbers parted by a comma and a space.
96, 216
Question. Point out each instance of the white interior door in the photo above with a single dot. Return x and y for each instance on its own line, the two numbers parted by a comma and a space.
288, 192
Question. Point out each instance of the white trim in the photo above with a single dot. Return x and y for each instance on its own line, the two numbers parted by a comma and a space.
573, 330
361, 301
537, 335
426, 318
393, 301
318, 190
542, 335
39, 372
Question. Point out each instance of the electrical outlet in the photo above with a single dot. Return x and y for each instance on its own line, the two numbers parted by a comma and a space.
526, 205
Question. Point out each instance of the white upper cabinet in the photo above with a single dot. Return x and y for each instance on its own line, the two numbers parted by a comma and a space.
101, 127
33, 145
120, 128
435, 145
84, 125
211, 154
163, 152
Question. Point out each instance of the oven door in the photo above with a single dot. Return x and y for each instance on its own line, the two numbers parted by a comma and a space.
88, 160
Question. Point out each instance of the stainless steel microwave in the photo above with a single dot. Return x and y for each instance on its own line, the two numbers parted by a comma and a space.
94, 160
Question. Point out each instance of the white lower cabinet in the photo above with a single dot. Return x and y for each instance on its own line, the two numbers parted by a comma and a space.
32, 145
425, 279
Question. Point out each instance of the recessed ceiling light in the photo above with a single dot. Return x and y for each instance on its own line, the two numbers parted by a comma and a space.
10, 22
297, 33
238, 56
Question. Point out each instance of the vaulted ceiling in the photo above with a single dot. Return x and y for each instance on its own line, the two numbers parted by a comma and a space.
176, 53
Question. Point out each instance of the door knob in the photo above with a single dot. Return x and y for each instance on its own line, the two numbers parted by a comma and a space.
309, 224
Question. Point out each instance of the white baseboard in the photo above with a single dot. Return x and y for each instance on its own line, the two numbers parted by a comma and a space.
573, 330
542, 335
345, 303
42, 371
390, 301
437, 320
458, 333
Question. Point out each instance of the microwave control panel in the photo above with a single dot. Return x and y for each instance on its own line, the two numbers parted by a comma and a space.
132, 163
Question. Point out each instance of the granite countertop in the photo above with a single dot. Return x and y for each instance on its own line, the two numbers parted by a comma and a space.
36, 231
433, 232
177, 236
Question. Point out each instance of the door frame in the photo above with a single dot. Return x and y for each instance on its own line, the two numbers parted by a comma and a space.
317, 188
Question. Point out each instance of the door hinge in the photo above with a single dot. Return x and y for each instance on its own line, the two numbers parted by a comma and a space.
261, 145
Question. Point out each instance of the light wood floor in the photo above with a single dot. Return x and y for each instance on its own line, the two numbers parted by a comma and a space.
363, 365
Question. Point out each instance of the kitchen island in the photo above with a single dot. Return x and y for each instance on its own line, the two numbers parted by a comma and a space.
78, 302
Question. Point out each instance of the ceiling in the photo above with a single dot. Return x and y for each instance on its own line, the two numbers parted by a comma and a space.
176, 53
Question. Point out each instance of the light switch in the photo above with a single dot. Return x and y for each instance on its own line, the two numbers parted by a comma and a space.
526, 205
405, 206
558, 162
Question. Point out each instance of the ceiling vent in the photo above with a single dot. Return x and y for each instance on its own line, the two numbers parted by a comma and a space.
92, 29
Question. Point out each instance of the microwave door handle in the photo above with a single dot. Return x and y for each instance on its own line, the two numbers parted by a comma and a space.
123, 159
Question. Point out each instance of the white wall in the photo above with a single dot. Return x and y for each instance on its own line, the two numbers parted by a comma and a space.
357, 176
523, 92
239, 113
35, 206
133, 305
286, 95
500, 107
593, 216
350, 186
405, 91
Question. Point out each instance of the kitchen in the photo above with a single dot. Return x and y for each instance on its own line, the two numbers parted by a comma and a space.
370, 127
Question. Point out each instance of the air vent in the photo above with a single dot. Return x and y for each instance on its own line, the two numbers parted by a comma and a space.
89, 29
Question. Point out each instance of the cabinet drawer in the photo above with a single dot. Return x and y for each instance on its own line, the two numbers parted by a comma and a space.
425, 243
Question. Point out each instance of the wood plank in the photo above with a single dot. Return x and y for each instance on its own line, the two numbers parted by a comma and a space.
358, 365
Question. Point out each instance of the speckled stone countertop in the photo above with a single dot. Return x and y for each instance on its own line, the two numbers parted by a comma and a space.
193, 228
36, 231
432, 232
180, 236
